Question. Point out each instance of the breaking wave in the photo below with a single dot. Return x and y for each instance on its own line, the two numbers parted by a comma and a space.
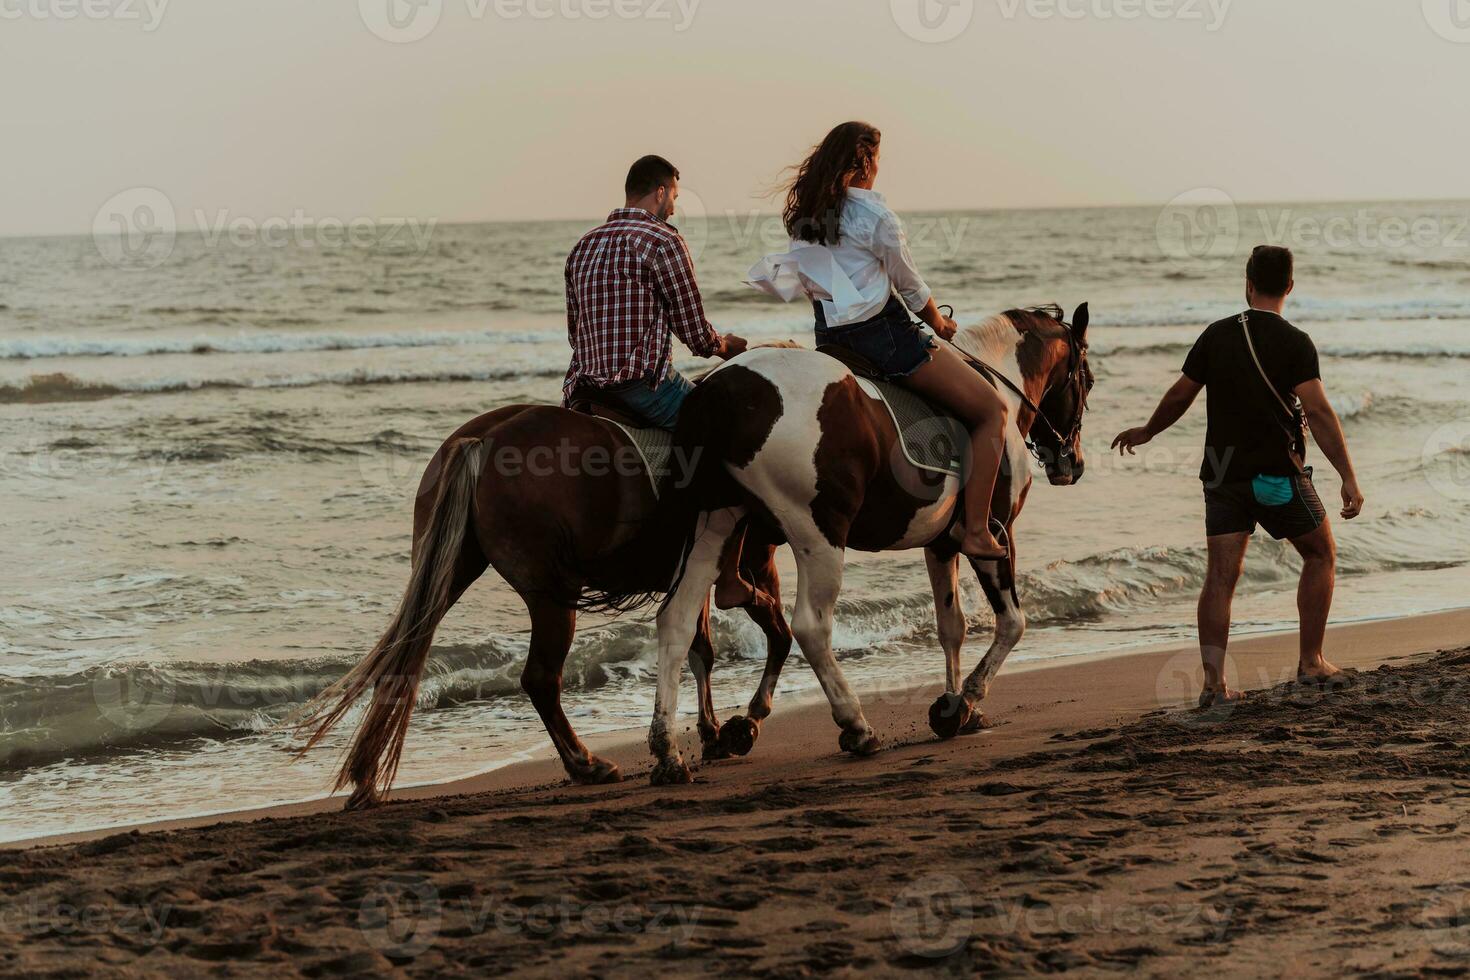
269, 343
63, 387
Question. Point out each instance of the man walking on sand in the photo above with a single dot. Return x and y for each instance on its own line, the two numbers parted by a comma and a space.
630, 288
1265, 389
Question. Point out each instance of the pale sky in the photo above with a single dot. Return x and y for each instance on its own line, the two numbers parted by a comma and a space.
511, 109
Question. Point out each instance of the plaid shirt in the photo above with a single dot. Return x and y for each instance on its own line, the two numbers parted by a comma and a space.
630, 282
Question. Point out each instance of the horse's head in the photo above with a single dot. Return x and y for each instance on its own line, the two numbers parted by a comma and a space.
1065, 381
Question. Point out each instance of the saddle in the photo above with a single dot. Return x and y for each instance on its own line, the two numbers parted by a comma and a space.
591, 400
931, 438
655, 446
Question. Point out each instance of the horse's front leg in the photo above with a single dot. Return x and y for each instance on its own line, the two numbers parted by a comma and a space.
998, 580
949, 715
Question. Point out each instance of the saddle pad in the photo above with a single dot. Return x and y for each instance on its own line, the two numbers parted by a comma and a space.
655, 446
931, 440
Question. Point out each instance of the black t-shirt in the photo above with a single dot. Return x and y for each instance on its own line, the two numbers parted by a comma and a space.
1248, 429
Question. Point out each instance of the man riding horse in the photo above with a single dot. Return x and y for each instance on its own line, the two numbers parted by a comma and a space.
582, 535
630, 287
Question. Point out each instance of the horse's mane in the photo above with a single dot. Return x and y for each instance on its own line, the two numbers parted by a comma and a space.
990, 339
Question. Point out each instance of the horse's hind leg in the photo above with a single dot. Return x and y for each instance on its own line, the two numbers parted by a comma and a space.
738, 735
701, 665
950, 715
552, 629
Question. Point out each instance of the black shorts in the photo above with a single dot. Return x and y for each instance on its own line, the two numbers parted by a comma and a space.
1287, 507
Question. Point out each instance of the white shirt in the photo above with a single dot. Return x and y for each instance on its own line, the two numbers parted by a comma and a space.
853, 279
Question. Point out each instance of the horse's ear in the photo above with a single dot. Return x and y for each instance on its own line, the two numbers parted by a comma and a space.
1079, 322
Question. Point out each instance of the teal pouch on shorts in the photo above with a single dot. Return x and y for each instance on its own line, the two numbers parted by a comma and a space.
1272, 491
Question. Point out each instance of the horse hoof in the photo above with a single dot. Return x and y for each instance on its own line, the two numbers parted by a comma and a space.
715, 748
671, 772
950, 715
738, 735
859, 742
363, 798
597, 773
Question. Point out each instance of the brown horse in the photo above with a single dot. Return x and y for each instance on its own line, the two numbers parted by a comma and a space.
807, 448
560, 505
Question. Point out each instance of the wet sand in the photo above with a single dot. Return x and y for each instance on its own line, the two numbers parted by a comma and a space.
1102, 824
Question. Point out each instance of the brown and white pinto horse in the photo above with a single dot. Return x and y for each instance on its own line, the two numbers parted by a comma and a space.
811, 451
559, 504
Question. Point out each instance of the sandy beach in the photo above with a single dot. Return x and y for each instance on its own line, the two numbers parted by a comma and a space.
1101, 824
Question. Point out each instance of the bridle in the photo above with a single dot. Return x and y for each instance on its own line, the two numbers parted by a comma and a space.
1075, 353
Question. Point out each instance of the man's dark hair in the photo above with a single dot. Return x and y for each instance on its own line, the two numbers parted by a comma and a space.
648, 175
1270, 270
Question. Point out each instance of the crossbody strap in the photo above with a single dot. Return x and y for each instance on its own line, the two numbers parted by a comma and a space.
1245, 327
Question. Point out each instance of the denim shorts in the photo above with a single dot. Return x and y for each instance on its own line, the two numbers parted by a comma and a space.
1286, 506
656, 408
891, 340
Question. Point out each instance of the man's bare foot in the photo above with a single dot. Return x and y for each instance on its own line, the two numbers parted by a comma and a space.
981, 545
1211, 697
1316, 670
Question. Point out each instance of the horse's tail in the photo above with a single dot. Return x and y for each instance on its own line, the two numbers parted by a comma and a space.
394, 666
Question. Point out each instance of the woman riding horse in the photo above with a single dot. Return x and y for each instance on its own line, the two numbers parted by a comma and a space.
849, 255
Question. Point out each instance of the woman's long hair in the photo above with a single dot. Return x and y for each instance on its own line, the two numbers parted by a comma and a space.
814, 200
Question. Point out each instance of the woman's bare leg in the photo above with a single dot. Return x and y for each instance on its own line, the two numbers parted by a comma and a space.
947, 379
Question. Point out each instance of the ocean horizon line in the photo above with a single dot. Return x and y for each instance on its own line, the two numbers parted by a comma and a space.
759, 212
